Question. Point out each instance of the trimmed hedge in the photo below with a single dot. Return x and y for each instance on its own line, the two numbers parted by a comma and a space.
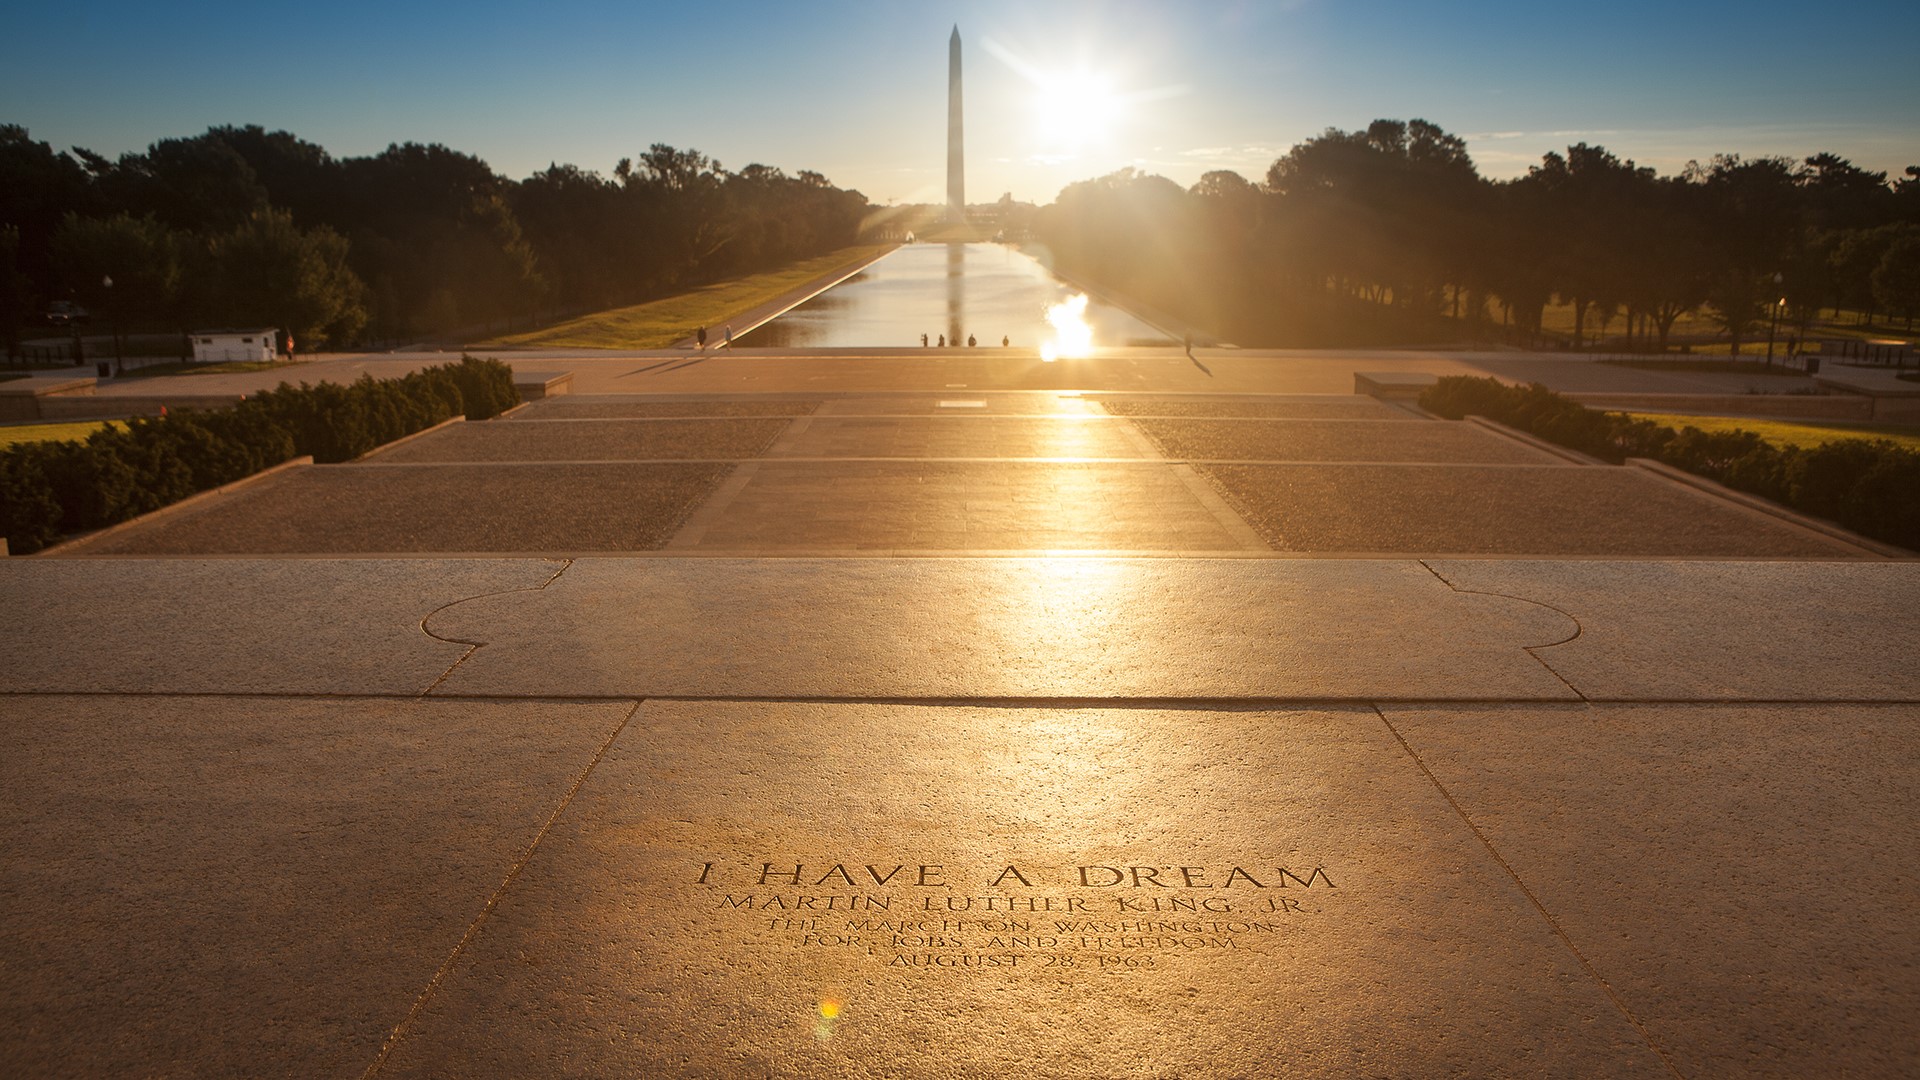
50, 489
1871, 486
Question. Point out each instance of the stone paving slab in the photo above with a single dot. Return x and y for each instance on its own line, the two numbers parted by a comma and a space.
1296, 407
959, 401
1699, 631
962, 436
1742, 876
1434, 441
610, 407
1501, 510
965, 506
309, 626
590, 440
991, 628
524, 508
1140, 370
244, 887
1367, 932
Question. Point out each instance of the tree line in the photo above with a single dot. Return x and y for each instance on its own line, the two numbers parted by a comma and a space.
242, 226
1391, 235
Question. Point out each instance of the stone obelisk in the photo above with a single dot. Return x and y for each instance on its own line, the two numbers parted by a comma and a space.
956, 141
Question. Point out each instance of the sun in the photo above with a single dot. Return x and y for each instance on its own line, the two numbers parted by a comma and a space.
1076, 108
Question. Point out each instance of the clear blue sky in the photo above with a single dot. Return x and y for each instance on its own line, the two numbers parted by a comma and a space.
856, 89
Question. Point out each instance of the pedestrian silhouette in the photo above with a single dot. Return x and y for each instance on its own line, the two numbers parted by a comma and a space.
923, 341
1005, 341
728, 331
943, 341
700, 337
970, 342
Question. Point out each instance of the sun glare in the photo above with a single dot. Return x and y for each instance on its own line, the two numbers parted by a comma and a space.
1075, 109
1072, 334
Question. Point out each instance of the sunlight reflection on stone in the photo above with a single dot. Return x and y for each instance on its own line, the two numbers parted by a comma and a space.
1072, 334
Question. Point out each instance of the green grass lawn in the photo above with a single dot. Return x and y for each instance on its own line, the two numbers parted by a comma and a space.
659, 323
25, 433
1787, 432
1832, 323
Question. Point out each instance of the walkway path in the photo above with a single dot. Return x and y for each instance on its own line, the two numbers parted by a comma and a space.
994, 473
750, 795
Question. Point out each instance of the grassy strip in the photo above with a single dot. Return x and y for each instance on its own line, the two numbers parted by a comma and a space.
659, 323
188, 367
1719, 367
1806, 436
30, 433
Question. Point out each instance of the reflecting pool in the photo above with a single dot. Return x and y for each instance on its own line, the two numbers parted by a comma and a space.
988, 290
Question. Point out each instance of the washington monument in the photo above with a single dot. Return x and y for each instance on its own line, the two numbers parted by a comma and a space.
956, 141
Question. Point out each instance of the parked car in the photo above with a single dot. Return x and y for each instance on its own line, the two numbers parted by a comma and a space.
67, 313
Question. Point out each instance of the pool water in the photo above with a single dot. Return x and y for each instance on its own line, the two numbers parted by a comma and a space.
988, 290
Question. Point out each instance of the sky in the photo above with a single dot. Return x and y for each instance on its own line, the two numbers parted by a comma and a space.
1056, 91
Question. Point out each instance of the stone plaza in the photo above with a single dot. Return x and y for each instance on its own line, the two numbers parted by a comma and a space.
952, 713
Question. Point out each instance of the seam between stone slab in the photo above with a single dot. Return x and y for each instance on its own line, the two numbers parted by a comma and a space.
493, 901
694, 528
1578, 628
1201, 490
903, 459
1552, 923
405, 439
956, 553
1204, 494
473, 646
1154, 704
795, 428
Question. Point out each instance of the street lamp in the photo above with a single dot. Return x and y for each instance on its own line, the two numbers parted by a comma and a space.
1773, 326
113, 319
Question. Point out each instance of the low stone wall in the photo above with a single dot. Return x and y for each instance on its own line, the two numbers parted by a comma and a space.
64, 407
24, 399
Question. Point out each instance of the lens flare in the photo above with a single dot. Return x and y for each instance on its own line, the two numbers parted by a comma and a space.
829, 1014
1072, 334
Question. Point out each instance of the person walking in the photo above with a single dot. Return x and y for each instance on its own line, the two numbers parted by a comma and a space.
971, 342
728, 331
700, 338
1005, 341
943, 341
923, 341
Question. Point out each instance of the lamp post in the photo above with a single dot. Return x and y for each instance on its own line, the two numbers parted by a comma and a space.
1774, 325
113, 327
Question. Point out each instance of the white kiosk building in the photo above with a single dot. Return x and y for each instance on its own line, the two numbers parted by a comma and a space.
217, 346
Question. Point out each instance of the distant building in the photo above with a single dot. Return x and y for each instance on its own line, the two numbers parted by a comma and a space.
219, 346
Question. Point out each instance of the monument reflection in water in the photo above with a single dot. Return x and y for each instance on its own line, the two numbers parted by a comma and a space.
990, 291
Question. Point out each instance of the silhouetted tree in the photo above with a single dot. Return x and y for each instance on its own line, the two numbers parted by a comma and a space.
266, 271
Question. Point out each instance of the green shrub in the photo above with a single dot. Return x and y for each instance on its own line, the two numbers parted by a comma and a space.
486, 386
29, 513
1871, 486
47, 489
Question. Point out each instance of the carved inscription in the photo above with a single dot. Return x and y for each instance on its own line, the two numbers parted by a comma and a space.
1120, 917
